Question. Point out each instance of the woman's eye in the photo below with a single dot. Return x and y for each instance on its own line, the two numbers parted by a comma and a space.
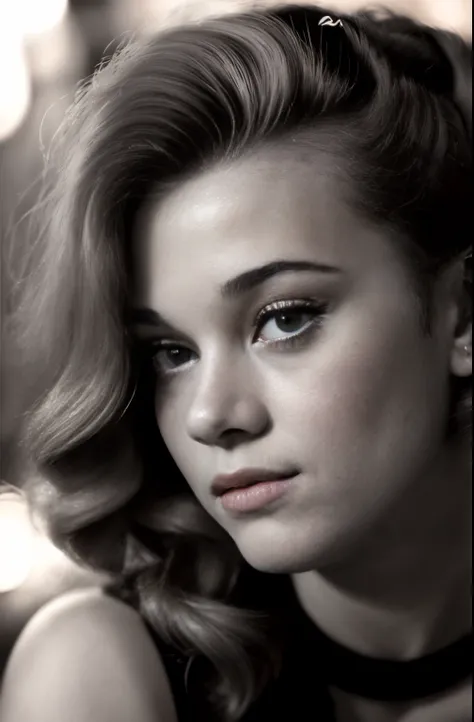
284, 324
170, 358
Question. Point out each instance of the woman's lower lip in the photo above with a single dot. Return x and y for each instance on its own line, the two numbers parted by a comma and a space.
254, 497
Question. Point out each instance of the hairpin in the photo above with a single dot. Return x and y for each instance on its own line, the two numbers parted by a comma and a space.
327, 20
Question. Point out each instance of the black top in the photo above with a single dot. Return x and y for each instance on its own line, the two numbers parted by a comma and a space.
301, 690
300, 693
312, 663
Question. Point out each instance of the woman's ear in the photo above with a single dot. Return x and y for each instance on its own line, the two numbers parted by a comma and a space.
461, 355
461, 352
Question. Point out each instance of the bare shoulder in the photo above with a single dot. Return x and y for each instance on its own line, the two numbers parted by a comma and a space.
85, 657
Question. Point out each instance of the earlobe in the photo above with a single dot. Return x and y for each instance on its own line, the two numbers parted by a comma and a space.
461, 355
460, 285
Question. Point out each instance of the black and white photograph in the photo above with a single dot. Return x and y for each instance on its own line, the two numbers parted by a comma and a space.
236, 361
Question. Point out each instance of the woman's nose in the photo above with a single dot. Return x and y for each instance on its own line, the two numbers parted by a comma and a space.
226, 404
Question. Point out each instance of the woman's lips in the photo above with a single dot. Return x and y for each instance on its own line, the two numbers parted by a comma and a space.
251, 489
248, 477
256, 496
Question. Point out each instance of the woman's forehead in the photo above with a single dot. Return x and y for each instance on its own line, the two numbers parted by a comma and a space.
259, 201
230, 220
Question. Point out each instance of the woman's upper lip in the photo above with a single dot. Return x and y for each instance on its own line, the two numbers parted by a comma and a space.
247, 477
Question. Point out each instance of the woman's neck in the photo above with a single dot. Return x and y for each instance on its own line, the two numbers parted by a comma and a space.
406, 592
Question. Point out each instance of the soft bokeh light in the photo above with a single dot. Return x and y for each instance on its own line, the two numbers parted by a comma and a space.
58, 54
38, 16
38, 41
15, 82
15, 91
17, 551
29, 562
150, 15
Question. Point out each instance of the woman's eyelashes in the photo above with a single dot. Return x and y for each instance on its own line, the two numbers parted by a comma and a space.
288, 322
281, 325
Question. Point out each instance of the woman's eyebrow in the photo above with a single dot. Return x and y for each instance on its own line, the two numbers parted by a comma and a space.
145, 317
256, 276
237, 286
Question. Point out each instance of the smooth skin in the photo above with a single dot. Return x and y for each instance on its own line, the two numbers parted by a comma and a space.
355, 398
356, 402
359, 406
85, 657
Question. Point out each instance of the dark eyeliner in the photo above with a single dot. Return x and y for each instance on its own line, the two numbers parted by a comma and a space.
151, 347
312, 307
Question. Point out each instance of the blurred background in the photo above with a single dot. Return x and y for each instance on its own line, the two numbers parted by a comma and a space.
46, 48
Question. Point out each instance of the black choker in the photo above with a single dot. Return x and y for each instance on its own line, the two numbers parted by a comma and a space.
388, 681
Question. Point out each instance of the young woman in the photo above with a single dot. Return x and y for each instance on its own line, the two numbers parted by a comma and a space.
249, 314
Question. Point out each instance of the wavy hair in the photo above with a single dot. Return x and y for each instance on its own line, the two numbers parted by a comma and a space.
393, 97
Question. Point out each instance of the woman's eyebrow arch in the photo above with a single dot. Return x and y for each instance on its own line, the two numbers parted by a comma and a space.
248, 280
238, 285
145, 317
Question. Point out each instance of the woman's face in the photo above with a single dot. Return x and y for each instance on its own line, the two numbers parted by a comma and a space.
319, 369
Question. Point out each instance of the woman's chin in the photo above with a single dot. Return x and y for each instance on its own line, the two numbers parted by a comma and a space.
284, 551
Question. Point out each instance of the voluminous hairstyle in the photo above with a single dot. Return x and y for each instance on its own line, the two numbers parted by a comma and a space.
391, 99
